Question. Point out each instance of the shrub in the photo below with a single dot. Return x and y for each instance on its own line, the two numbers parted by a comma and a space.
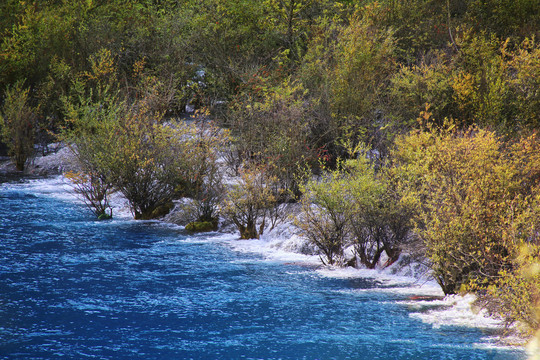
467, 188
271, 128
354, 205
324, 218
94, 190
201, 226
150, 163
524, 65
378, 221
415, 86
207, 192
247, 203
17, 124
345, 71
515, 294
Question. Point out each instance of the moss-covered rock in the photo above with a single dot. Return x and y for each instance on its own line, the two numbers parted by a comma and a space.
156, 213
162, 210
104, 216
201, 226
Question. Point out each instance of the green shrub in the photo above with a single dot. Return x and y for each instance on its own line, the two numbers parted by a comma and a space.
354, 205
324, 218
248, 203
150, 163
17, 124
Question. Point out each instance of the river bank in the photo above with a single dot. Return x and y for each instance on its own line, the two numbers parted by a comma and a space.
422, 295
125, 289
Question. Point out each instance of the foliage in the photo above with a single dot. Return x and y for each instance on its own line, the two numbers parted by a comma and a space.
419, 25
488, 83
292, 21
417, 86
378, 221
248, 203
505, 18
17, 124
94, 190
524, 65
324, 220
148, 162
463, 185
342, 52
532, 271
295, 81
208, 191
480, 81
354, 205
37, 34
515, 293
271, 128
363, 61
346, 68
245, 45
201, 226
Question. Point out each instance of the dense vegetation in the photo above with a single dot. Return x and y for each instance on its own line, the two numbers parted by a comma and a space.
398, 126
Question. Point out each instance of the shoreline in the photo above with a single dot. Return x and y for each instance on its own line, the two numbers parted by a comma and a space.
422, 295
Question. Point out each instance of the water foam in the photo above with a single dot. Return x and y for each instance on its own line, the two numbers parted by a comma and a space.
426, 302
455, 310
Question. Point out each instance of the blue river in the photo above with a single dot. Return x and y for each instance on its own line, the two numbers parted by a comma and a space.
75, 288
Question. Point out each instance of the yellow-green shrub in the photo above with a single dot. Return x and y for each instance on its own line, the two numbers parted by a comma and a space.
247, 203
467, 187
17, 124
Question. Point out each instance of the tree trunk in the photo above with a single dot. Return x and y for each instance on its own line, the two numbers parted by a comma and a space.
249, 231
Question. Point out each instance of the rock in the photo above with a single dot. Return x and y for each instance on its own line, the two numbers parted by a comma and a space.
201, 226
161, 210
104, 217
156, 213
60, 161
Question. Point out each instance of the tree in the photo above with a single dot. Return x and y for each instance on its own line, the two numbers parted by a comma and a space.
94, 190
463, 185
524, 81
379, 222
414, 87
17, 124
245, 44
354, 205
489, 82
147, 161
480, 81
515, 292
248, 202
271, 127
324, 218
292, 21
150, 163
419, 25
208, 191
346, 68
364, 59
518, 19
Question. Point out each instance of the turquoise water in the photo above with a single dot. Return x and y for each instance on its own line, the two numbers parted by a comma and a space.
75, 288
